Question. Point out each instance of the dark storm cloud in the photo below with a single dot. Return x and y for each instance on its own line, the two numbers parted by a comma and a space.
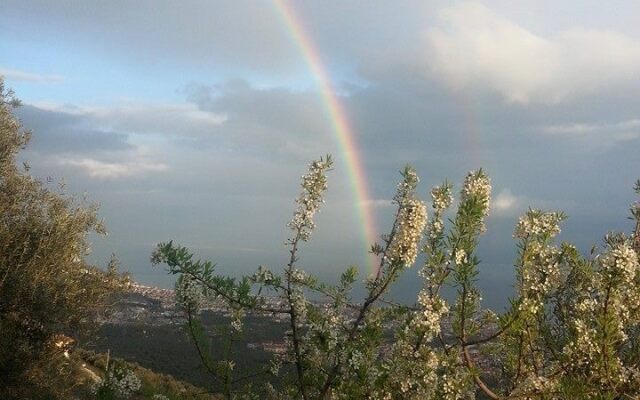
290, 123
531, 151
62, 132
444, 136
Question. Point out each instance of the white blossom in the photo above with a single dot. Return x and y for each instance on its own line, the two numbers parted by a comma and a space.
314, 184
189, 293
538, 223
121, 381
621, 261
298, 276
412, 219
460, 257
477, 185
263, 275
299, 304
274, 367
441, 197
540, 274
430, 314
236, 319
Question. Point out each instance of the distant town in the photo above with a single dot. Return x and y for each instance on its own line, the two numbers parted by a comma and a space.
151, 306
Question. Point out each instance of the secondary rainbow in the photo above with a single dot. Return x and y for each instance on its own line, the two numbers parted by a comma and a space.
343, 132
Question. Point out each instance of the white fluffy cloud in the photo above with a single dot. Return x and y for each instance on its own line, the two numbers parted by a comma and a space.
506, 202
473, 47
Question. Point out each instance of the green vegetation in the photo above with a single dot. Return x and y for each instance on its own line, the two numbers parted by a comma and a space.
151, 382
46, 288
166, 349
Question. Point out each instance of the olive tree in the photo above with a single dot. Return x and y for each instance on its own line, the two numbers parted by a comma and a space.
46, 287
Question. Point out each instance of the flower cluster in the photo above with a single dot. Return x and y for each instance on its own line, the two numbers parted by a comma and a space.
460, 257
228, 364
411, 372
454, 382
263, 275
429, 316
477, 186
605, 320
189, 293
412, 219
407, 185
159, 397
620, 262
538, 223
356, 359
121, 382
436, 227
327, 328
540, 274
298, 276
236, 319
533, 383
617, 283
298, 304
583, 349
441, 197
314, 184
274, 367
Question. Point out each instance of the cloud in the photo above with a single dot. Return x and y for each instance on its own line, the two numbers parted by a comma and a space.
274, 119
473, 47
64, 132
601, 135
18, 75
144, 118
104, 142
113, 170
587, 128
506, 202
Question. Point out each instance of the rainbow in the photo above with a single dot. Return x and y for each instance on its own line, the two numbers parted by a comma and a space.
344, 133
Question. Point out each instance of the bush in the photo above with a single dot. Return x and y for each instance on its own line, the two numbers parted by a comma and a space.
119, 382
153, 385
572, 331
46, 288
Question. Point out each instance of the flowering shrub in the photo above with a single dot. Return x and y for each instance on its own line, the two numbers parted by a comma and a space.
119, 383
572, 331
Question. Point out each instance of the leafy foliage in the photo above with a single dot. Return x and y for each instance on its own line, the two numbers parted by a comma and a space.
46, 288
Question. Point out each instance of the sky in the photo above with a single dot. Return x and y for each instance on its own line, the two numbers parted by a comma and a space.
193, 121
